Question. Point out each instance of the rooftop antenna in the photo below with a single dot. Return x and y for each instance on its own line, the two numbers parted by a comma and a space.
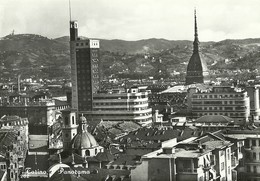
70, 9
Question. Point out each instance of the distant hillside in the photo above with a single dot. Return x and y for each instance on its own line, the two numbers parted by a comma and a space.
36, 56
134, 47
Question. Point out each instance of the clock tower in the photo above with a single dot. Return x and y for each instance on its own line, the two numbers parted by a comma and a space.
85, 72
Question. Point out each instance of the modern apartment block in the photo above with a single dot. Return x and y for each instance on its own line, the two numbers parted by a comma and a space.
226, 101
118, 105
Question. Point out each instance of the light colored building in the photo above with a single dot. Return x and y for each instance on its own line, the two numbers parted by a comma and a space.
117, 105
249, 167
253, 93
208, 157
14, 145
226, 101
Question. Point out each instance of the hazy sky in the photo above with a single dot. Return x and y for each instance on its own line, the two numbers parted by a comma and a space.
133, 19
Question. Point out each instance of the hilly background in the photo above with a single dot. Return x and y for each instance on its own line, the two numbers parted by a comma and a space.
35, 56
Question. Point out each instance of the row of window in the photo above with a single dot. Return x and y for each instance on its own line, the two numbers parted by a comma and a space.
218, 102
252, 142
121, 115
253, 170
66, 119
217, 96
3, 167
119, 103
252, 156
119, 109
223, 114
82, 44
121, 97
220, 108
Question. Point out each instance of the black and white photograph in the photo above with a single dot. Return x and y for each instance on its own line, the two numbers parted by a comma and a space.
129, 90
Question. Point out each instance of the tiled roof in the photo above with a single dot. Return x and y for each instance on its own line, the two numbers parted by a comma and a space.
214, 119
216, 144
105, 156
2, 173
37, 162
157, 134
127, 160
7, 138
92, 175
60, 103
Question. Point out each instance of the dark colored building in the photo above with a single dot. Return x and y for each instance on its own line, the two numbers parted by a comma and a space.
197, 69
84, 69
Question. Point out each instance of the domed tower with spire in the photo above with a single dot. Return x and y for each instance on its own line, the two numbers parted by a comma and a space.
84, 144
197, 69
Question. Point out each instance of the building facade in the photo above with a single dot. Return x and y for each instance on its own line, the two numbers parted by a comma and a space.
69, 127
249, 141
117, 105
14, 145
196, 159
226, 101
253, 93
250, 169
85, 72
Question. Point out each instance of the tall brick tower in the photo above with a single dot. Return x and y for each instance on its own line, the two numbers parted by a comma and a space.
85, 74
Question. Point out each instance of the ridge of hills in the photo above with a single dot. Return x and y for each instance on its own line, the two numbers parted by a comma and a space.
35, 56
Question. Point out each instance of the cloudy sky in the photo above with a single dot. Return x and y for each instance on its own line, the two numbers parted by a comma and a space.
133, 19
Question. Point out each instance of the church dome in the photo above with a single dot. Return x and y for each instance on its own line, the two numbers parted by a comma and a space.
84, 140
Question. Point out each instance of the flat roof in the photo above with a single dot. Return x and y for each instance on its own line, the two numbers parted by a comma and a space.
242, 136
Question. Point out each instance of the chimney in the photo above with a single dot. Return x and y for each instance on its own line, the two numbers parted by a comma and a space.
155, 117
168, 150
19, 83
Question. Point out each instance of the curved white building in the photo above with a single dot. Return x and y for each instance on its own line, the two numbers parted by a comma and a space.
117, 105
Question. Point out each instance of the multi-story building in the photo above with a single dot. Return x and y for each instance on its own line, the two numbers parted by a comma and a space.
226, 101
14, 145
253, 93
207, 158
117, 105
197, 69
249, 167
41, 112
86, 98
85, 72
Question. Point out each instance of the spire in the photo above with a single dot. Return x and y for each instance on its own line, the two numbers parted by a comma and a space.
70, 10
196, 39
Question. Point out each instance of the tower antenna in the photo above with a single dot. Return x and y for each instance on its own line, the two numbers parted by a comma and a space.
70, 9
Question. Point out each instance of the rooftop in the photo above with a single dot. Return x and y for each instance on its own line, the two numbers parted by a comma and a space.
178, 88
214, 119
7, 138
